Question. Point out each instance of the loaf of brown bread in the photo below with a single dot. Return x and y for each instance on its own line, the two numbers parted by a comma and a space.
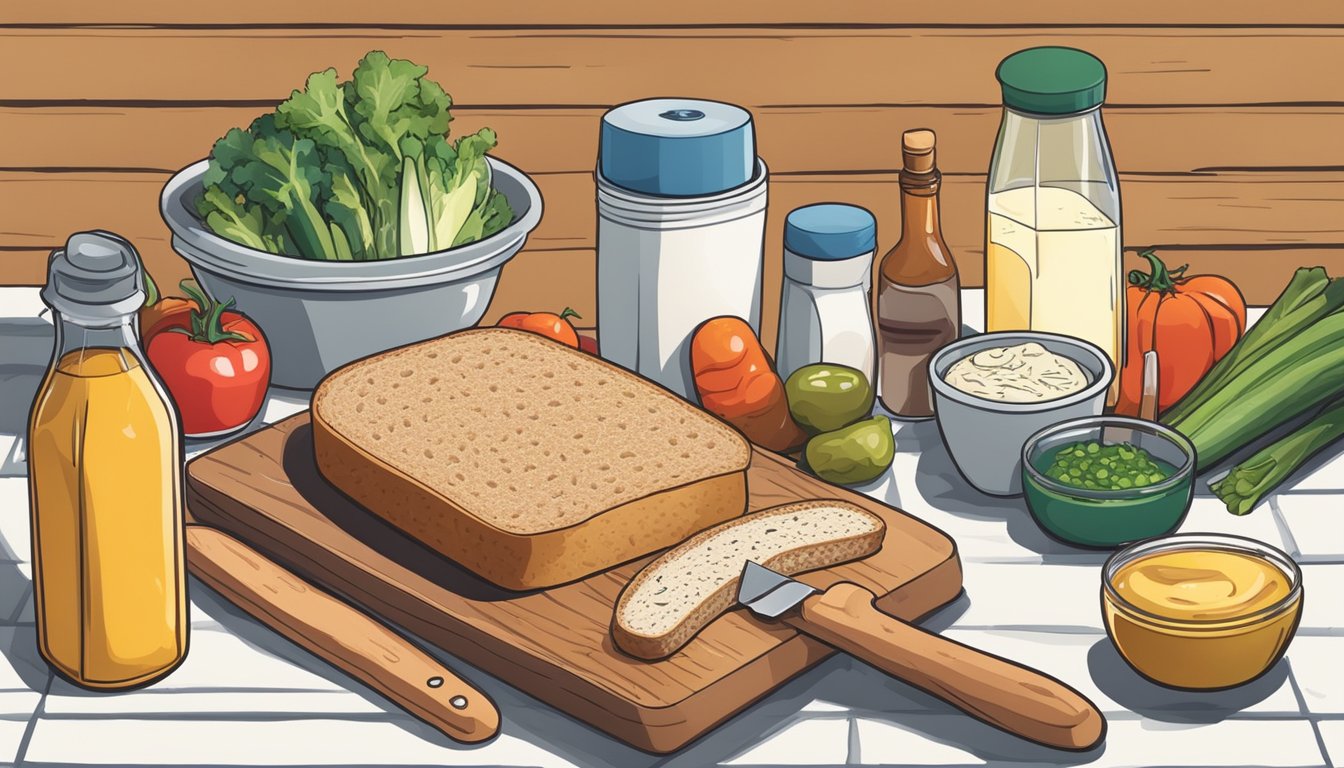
528, 462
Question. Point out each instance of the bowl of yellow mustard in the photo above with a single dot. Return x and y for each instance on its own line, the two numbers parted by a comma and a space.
1201, 611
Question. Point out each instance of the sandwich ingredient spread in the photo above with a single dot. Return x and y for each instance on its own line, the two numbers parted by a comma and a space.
1103, 467
1201, 585
1024, 373
1204, 616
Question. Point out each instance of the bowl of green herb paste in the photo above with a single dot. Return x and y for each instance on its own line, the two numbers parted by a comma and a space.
1104, 481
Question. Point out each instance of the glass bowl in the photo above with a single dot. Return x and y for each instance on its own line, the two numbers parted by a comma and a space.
1216, 645
1108, 518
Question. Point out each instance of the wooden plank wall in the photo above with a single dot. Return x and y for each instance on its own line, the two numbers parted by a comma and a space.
1225, 117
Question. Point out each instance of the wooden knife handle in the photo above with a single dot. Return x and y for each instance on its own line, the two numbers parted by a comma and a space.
341, 635
1005, 695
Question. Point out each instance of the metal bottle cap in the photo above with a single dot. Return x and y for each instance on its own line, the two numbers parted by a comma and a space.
98, 275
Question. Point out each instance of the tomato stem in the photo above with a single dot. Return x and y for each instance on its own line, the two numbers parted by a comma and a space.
1160, 279
568, 313
207, 324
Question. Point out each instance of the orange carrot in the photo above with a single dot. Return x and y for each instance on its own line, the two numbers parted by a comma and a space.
736, 383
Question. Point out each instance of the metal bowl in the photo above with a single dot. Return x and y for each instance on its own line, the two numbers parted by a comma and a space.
985, 437
320, 315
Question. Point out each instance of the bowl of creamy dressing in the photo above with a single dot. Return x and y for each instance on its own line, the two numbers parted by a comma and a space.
992, 391
1201, 611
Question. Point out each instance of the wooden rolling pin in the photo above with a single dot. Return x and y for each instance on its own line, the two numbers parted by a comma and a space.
341, 635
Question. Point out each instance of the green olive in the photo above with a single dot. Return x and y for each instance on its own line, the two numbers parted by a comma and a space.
854, 455
824, 397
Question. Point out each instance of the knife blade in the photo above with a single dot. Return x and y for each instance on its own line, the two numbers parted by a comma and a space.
340, 634
1002, 693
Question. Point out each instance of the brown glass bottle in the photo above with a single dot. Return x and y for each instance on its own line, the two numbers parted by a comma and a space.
918, 301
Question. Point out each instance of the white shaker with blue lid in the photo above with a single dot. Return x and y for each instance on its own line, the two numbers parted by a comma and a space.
680, 230
825, 313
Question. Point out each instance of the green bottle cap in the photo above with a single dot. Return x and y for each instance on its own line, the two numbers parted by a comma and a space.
1052, 81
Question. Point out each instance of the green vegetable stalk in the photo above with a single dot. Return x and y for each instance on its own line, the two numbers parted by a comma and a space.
1309, 296
1282, 383
1252, 479
354, 170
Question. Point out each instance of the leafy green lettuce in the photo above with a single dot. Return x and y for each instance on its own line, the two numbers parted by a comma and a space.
354, 170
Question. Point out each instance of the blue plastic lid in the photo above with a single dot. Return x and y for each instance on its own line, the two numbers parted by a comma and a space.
677, 147
830, 231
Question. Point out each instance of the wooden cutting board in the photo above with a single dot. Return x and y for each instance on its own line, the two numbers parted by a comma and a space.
554, 644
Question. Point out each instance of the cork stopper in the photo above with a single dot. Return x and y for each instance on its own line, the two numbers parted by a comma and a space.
917, 150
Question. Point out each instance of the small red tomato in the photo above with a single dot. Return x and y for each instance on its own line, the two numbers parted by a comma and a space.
215, 364
588, 344
548, 324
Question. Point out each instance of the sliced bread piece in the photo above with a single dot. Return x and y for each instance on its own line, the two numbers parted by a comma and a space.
528, 462
675, 596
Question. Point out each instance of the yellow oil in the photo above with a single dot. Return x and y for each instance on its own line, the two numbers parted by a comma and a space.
1205, 618
1052, 264
105, 479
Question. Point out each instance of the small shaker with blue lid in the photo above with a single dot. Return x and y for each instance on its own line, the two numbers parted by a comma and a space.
825, 311
680, 230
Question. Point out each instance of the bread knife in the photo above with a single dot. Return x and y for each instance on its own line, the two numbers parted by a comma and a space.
999, 692
341, 635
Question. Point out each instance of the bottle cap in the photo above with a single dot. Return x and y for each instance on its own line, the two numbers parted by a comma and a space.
830, 231
917, 150
1052, 81
677, 147
97, 275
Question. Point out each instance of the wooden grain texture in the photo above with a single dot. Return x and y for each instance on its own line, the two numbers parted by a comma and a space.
416, 13
816, 139
341, 635
545, 280
1231, 210
1019, 700
554, 644
749, 66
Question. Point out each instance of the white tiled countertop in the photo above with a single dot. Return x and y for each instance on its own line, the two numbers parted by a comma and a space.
245, 696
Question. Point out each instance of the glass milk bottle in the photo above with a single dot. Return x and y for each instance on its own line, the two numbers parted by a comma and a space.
105, 481
1052, 256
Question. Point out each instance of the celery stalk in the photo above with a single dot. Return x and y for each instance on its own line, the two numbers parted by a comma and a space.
1309, 296
1251, 480
1281, 383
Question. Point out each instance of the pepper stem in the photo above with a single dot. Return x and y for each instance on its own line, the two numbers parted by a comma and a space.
568, 313
1160, 279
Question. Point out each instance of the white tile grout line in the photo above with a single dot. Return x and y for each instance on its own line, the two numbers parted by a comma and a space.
1284, 530
1315, 721
854, 756
22, 751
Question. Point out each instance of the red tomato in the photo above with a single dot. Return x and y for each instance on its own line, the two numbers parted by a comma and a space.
552, 326
218, 377
588, 344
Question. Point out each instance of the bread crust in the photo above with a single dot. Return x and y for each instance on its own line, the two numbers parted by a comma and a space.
724, 597
532, 560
